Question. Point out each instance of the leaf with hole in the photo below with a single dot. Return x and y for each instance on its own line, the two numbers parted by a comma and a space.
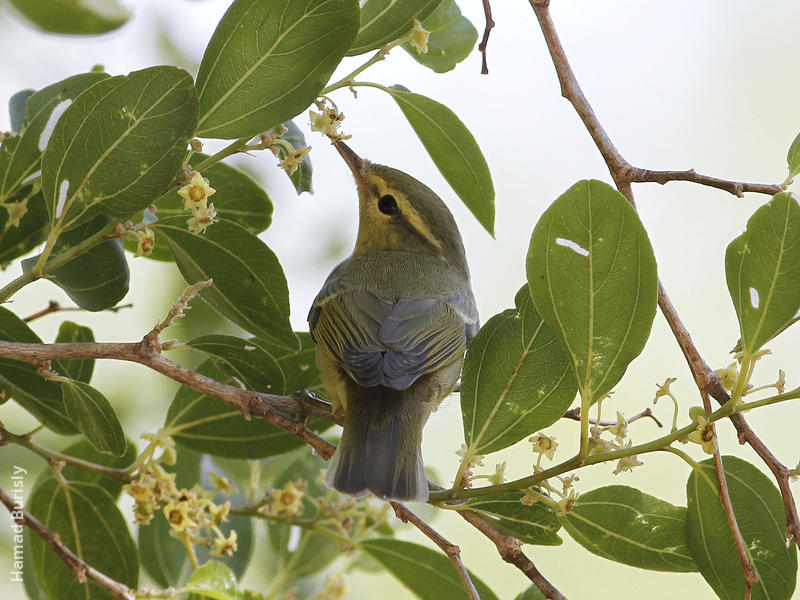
517, 379
625, 525
94, 417
249, 285
759, 512
452, 38
534, 524
592, 276
453, 149
762, 267
384, 21
268, 60
119, 145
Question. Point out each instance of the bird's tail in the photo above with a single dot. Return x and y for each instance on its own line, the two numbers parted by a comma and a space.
380, 448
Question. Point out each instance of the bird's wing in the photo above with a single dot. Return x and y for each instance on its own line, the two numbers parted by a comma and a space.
391, 343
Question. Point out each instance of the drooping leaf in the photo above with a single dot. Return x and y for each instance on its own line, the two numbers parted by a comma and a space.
762, 267
517, 378
213, 580
454, 151
759, 512
625, 525
72, 333
21, 156
427, 573
92, 413
268, 60
301, 178
32, 228
383, 21
452, 38
16, 108
96, 279
119, 145
592, 276
249, 285
534, 524
89, 523
74, 16
209, 425
237, 198
20, 380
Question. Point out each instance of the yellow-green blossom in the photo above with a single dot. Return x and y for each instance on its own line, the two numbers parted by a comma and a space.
620, 430
704, 434
627, 464
16, 210
543, 444
419, 37
291, 163
729, 376
196, 192
201, 218
225, 546
499, 474
145, 239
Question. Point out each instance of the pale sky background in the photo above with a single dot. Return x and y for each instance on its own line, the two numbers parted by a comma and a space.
677, 84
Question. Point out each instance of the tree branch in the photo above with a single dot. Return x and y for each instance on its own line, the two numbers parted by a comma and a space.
54, 306
487, 11
79, 568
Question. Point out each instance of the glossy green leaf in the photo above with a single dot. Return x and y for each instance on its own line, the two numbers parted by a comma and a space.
517, 379
95, 418
427, 573
163, 556
209, 425
249, 285
119, 145
89, 523
453, 149
72, 333
299, 367
534, 524
96, 279
762, 267
244, 360
301, 178
452, 38
21, 156
762, 522
16, 108
33, 227
383, 21
793, 159
20, 380
625, 525
592, 276
237, 198
213, 580
530, 593
74, 16
268, 60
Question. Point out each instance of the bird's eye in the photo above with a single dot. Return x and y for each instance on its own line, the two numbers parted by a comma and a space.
387, 204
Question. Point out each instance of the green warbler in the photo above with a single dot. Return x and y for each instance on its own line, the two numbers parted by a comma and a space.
391, 324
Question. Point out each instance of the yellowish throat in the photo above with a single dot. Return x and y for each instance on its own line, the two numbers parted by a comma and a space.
391, 324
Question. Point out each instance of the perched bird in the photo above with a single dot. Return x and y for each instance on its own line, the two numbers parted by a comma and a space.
391, 324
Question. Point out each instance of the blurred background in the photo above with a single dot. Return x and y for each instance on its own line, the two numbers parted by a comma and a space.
677, 84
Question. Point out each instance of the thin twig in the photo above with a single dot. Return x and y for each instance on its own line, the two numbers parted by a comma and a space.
487, 11
737, 188
54, 306
453, 552
79, 568
574, 414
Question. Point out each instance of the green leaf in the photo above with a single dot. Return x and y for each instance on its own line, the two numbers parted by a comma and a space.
452, 38
301, 178
243, 360
517, 379
209, 425
592, 276
249, 285
20, 380
119, 145
625, 525
237, 198
299, 367
384, 21
534, 524
89, 523
427, 573
213, 580
762, 267
95, 418
530, 593
32, 229
793, 159
454, 151
762, 521
74, 16
16, 108
20, 157
72, 333
268, 60
96, 279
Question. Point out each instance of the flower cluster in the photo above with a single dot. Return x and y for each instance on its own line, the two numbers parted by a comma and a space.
328, 120
195, 198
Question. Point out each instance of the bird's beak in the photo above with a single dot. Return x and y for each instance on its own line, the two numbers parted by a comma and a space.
357, 166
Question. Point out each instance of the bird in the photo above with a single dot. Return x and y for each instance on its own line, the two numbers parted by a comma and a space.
391, 325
